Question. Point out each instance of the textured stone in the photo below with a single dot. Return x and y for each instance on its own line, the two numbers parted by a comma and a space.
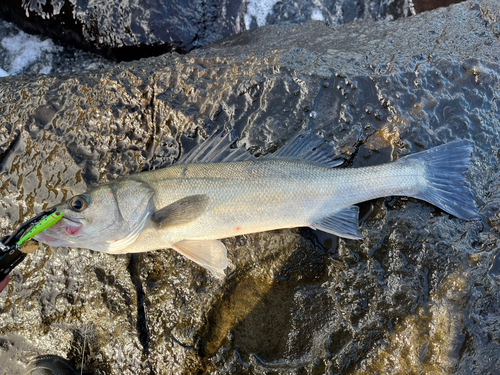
127, 30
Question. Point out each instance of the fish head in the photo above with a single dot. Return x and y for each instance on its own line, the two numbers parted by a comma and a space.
107, 218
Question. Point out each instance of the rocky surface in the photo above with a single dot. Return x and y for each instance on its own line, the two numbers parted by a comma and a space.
420, 293
21, 53
141, 28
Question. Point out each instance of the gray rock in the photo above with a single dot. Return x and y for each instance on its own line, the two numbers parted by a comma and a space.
418, 294
142, 28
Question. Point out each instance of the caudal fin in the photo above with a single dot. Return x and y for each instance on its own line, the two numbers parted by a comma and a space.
445, 172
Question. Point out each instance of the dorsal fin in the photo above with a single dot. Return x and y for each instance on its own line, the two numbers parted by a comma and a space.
309, 147
222, 147
219, 147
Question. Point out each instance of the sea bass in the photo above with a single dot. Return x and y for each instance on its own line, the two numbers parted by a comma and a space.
216, 192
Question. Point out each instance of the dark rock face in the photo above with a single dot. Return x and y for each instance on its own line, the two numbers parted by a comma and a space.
128, 31
418, 294
426, 5
132, 30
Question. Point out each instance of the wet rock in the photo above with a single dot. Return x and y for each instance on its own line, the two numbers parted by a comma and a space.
426, 5
418, 294
21, 53
128, 31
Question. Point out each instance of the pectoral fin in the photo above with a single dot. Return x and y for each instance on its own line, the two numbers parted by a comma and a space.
182, 211
210, 254
343, 223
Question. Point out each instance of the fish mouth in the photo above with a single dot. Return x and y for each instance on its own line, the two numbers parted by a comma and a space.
44, 238
68, 226
62, 233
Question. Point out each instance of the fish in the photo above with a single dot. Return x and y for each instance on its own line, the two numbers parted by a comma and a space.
218, 191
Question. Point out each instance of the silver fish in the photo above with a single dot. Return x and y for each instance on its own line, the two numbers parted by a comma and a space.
215, 192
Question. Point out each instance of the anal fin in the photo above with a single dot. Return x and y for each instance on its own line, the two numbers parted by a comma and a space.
343, 223
210, 254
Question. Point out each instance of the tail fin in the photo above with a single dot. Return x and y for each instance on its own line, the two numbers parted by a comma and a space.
445, 172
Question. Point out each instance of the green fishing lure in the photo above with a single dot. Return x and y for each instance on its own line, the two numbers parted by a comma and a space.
41, 226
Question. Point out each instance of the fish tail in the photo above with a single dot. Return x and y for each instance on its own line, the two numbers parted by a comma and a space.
445, 168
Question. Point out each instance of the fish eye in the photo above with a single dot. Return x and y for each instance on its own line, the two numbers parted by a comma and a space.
78, 203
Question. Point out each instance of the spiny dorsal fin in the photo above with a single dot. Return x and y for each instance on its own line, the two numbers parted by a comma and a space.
309, 147
217, 148
182, 211
221, 147
343, 223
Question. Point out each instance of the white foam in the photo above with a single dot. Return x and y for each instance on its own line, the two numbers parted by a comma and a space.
258, 10
45, 70
317, 15
24, 49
